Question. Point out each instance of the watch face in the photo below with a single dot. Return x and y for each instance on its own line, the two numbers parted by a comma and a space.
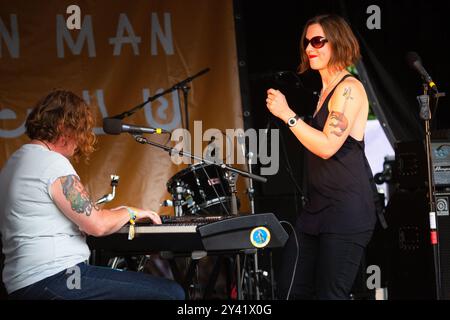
292, 122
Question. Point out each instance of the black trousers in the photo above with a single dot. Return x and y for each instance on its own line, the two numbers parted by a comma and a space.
327, 265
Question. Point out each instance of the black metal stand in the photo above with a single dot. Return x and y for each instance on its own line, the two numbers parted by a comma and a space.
180, 85
252, 206
425, 114
185, 90
232, 177
110, 196
253, 271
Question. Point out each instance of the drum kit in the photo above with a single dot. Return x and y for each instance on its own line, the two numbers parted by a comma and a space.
202, 189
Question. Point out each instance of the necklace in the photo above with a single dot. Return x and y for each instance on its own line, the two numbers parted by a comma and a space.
322, 92
44, 143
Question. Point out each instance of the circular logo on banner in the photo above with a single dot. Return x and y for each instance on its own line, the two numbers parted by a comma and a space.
260, 237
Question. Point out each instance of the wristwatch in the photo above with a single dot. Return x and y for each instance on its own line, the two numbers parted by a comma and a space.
293, 121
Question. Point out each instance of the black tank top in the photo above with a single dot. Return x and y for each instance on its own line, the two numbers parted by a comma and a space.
339, 188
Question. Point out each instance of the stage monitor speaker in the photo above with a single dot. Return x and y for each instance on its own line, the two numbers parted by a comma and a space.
410, 269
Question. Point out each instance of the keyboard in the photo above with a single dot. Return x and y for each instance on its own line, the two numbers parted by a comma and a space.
193, 233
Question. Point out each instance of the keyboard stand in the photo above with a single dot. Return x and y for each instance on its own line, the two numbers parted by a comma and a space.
225, 260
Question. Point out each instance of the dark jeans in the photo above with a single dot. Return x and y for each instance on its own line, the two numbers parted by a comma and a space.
100, 283
327, 265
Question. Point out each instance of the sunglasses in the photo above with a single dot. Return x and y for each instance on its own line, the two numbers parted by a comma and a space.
316, 42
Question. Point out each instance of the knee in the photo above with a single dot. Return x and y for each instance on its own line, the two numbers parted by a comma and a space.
177, 292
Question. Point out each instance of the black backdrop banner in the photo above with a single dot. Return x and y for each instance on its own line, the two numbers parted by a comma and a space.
420, 26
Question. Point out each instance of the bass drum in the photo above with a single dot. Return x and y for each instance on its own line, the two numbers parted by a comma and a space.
202, 189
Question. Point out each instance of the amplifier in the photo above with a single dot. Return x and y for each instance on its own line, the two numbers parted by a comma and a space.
410, 167
440, 155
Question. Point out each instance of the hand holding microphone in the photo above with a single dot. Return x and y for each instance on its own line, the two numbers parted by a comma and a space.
278, 106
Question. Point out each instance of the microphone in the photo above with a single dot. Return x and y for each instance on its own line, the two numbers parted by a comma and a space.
115, 126
415, 62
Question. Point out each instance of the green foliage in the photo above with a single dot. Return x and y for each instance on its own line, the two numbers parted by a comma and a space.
353, 70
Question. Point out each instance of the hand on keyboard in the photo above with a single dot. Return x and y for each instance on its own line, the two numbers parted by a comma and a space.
148, 215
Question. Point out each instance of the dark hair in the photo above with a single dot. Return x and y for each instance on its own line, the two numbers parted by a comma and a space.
63, 113
344, 45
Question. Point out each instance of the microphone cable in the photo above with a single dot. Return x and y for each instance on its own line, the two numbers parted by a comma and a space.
296, 256
290, 172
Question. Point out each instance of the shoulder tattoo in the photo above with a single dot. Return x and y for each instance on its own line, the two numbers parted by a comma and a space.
347, 94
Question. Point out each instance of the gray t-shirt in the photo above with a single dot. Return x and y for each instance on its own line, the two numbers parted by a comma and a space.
38, 239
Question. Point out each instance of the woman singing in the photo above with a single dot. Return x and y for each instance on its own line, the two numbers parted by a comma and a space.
337, 222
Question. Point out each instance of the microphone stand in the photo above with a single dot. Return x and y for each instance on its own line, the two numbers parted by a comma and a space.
251, 196
425, 114
180, 85
181, 153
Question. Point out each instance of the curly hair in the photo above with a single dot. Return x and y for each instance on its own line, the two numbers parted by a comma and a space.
63, 113
344, 45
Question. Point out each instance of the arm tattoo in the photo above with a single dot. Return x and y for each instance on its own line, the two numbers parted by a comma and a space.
77, 195
338, 119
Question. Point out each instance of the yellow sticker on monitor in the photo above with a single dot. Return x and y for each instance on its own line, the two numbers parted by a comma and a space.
260, 237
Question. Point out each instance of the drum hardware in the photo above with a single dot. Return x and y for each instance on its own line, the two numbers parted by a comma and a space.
232, 178
167, 203
251, 189
178, 200
109, 197
136, 263
186, 200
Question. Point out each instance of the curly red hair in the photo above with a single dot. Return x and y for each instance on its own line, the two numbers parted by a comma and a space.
63, 113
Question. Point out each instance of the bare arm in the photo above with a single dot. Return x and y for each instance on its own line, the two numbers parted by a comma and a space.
344, 109
74, 201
